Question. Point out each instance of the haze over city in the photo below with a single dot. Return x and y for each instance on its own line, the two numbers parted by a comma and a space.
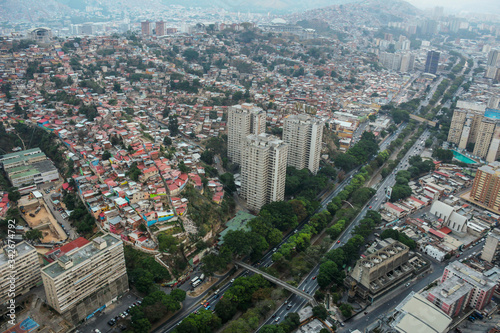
249, 166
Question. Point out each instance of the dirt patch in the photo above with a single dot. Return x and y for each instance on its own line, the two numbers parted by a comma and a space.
46, 223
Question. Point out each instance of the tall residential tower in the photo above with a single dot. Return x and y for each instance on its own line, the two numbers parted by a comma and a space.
243, 120
303, 133
263, 170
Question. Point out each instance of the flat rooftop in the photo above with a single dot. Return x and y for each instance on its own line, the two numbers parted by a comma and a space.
79, 255
22, 249
451, 290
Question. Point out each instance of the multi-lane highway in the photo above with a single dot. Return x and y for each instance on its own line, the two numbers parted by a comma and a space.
309, 284
266, 260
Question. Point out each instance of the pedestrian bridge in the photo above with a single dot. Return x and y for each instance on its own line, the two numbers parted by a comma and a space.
280, 283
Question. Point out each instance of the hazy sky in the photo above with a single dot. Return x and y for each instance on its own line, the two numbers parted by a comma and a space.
491, 6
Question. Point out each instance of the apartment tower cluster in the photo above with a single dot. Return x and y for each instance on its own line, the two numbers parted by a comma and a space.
477, 125
263, 158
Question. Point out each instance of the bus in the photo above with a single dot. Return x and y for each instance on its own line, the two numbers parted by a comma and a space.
195, 279
197, 283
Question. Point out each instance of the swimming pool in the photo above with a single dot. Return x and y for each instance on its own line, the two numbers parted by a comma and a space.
463, 158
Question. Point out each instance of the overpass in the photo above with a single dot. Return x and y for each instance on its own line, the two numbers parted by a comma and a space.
423, 120
280, 283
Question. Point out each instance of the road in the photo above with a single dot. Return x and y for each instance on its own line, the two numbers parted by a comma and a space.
192, 305
389, 301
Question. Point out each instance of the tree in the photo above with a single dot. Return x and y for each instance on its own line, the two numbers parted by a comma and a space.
444, 155
183, 167
320, 312
167, 243
34, 235
173, 126
190, 54
344, 161
106, 155
228, 180
178, 294
346, 310
14, 195
207, 156
226, 309
167, 141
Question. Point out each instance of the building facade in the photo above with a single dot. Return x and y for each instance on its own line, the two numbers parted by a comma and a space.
491, 246
243, 120
482, 287
486, 186
263, 170
145, 28
432, 62
26, 267
87, 279
304, 134
451, 296
160, 28
378, 271
28, 167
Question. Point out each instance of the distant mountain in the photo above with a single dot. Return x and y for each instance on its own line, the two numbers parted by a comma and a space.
34, 10
364, 12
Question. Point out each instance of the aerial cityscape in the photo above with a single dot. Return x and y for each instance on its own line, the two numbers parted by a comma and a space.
249, 166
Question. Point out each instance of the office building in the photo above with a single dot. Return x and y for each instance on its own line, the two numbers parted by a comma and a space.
491, 246
160, 28
86, 279
28, 167
486, 186
26, 267
88, 29
432, 62
482, 287
451, 296
145, 28
388, 263
304, 134
263, 170
243, 120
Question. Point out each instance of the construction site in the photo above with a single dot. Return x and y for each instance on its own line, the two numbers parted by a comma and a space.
38, 217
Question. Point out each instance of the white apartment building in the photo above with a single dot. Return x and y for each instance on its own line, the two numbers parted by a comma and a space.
86, 279
243, 120
304, 134
26, 266
263, 170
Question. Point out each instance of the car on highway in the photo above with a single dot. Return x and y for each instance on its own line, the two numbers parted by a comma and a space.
370, 207
338, 242
277, 319
314, 277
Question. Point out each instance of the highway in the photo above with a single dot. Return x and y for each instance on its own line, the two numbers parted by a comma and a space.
266, 261
309, 283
